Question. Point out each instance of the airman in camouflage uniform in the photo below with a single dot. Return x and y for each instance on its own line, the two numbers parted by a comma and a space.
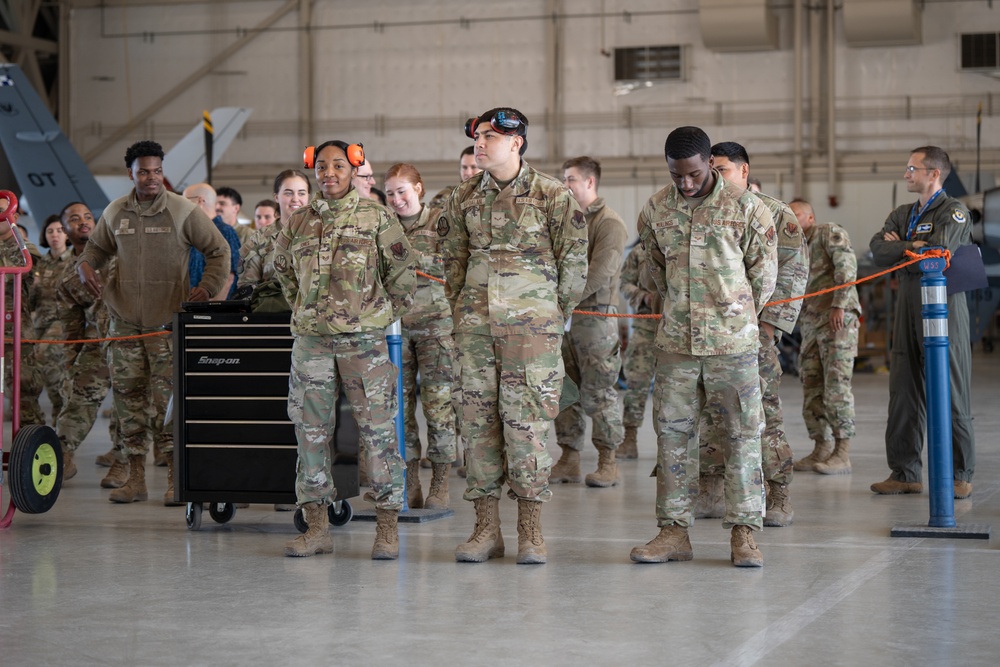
50, 358
640, 356
591, 346
467, 168
31, 380
151, 232
346, 269
713, 249
428, 344
88, 376
829, 325
732, 161
516, 261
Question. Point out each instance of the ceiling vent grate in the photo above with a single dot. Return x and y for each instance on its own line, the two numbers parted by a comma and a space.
980, 51
649, 63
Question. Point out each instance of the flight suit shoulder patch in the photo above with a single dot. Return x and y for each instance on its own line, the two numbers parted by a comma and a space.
959, 216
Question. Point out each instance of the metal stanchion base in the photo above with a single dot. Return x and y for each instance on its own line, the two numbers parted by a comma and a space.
409, 516
963, 531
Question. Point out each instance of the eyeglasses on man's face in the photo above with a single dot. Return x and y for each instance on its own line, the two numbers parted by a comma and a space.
909, 169
368, 177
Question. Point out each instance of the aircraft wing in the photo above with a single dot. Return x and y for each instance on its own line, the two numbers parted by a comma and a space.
48, 170
184, 164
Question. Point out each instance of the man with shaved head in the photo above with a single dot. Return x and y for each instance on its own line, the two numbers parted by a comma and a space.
203, 195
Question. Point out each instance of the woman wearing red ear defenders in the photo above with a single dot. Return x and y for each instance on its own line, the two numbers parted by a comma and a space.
346, 269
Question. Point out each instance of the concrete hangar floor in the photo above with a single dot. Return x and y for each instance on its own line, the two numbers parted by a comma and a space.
93, 583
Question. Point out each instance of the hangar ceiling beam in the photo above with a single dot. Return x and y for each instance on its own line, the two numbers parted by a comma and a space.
190, 80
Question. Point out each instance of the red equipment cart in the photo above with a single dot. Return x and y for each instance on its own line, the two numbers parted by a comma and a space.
33, 466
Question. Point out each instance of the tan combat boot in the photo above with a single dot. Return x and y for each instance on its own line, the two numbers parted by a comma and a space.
607, 469
838, 463
530, 543
567, 469
317, 538
821, 452
744, 550
107, 459
117, 476
629, 449
168, 497
710, 503
414, 494
486, 540
69, 465
779, 506
386, 545
437, 497
135, 487
672, 543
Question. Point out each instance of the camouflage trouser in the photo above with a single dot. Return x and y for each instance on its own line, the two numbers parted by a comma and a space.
776, 453
142, 378
640, 367
50, 359
434, 358
826, 366
31, 383
360, 363
591, 354
728, 386
510, 388
86, 385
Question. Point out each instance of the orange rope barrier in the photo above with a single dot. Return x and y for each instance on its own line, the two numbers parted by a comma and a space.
914, 258
91, 340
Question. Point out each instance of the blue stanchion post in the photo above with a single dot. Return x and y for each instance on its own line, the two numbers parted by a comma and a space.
394, 337
937, 379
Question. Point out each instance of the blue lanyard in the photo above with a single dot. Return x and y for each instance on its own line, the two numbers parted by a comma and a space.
915, 214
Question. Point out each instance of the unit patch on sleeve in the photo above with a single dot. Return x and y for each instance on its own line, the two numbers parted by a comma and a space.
958, 215
399, 250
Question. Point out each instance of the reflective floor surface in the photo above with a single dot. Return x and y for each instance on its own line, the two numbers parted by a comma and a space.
92, 583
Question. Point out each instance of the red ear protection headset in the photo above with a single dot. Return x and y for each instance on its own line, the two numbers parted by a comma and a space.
355, 155
502, 122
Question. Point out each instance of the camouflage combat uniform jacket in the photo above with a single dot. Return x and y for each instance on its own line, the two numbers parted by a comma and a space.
516, 258
345, 266
637, 282
793, 266
256, 257
49, 272
831, 262
430, 315
715, 267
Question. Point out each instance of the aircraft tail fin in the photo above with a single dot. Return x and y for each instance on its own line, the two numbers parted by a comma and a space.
186, 164
47, 168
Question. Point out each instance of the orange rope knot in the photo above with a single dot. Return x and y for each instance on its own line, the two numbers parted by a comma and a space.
931, 252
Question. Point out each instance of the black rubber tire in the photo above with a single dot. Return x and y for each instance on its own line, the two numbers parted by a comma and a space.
299, 519
35, 469
193, 516
344, 516
222, 514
